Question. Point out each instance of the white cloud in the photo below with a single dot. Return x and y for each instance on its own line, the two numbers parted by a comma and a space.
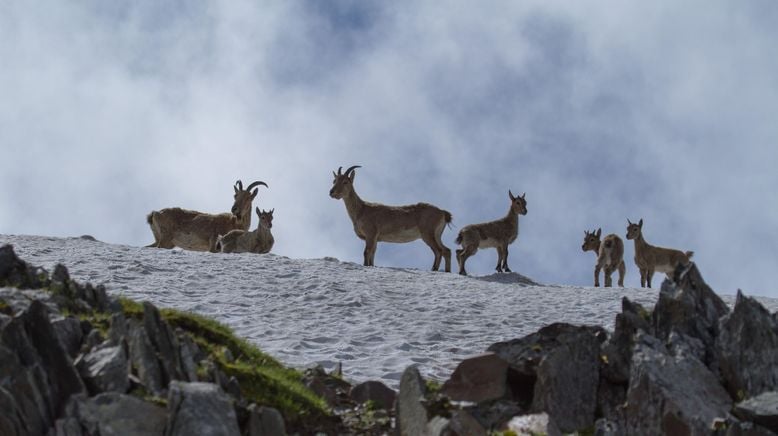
657, 110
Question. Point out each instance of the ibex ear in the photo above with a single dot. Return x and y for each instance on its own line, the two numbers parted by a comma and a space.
272, 210
510, 194
257, 210
629, 223
334, 176
640, 224
352, 175
523, 195
254, 193
599, 232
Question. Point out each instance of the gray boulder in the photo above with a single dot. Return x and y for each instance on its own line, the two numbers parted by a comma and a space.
69, 333
375, 391
144, 359
633, 318
265, 421
412, 416
567, 382
761, 410
164, 341
524, 356
689, 307
671, 394
105, 369
112, 414
200, 408
747, 348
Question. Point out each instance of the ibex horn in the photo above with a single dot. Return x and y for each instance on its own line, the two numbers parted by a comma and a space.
352, 169
255, 184
239, 185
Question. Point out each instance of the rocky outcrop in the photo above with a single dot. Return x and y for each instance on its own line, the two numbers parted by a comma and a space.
747, 348
200, 408
761, 410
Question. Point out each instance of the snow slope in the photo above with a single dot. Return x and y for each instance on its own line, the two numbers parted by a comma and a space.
377, 321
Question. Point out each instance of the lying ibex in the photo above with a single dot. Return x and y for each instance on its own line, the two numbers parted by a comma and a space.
256, 241
650, 258
191, 230
375, 222
497, 234
610, 256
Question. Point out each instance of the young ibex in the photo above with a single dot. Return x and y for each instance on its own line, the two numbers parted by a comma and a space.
375, 222
650, 258
192, 230
256, 241
610, 256
498, 234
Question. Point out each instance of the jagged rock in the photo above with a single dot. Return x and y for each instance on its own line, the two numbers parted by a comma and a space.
104, 369
24, 396
495, 413
164, 342
380, 394
118, 330
618, 350
112, 414
530, 425
525, 354
689, 307
69, 333
93, 339
478, 378
610, 397
567, 381
265, 421
190, 353
144, 360
671, 394
747, 347
463, 423
201, 409
334, 390
16, 273
233, 388
412, 416
761, 410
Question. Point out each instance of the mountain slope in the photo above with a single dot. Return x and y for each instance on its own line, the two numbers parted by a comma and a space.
377, 321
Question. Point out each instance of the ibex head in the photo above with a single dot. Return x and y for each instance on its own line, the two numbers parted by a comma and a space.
633, 230
244, 197
342, 185
265, 218
591, 240
518, 204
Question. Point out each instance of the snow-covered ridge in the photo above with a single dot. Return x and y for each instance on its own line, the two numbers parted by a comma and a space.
375, 320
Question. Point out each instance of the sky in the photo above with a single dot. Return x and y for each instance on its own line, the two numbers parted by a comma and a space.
599, 111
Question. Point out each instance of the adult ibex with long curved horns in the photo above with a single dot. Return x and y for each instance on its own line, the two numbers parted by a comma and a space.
375, 222
192, 230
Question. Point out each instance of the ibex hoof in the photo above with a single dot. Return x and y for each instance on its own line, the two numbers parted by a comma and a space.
507, 269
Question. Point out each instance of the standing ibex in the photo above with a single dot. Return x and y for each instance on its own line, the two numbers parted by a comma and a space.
375, 222
610, 256
256, 241
191, 230
649, 258
497, 234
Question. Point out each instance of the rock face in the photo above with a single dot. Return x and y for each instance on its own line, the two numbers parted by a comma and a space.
105, 369
113, 414
200, 408
671, 394
761, 410
412, 416
747, 347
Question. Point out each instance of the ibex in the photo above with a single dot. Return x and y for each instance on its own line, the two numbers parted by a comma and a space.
649, 258
191, 230
497, 234
375, 222
256, 241
610, 256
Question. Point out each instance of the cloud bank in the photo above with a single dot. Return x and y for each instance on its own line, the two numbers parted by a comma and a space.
599, 113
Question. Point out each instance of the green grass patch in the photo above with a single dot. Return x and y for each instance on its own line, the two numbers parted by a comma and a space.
5, 308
